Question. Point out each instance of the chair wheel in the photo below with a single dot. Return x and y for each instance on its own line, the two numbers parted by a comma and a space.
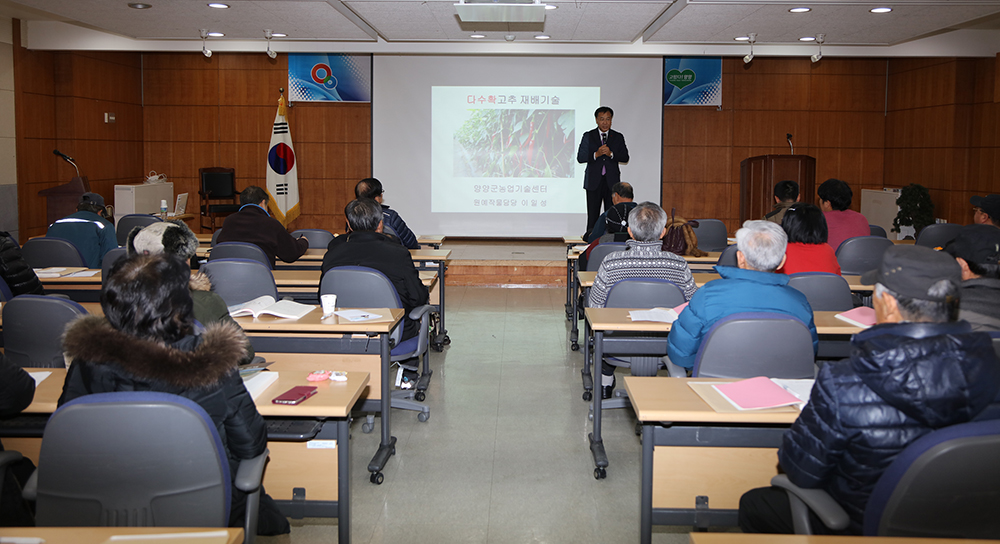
367, 427
377, 478
423, 416
437, 346
447, 340
588, 396
600, 473
575, 346
638, 429
419, 396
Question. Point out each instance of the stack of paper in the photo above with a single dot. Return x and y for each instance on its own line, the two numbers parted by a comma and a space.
756, 393
862, 316
267, 305
660, 315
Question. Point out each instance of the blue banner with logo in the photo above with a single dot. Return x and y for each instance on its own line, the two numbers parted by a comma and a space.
692, 81
331, 77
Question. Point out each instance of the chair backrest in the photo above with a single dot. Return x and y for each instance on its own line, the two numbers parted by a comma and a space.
361, 287
5, 292
945, 484
876, 230
49, 251
129, 222
728, 257
826, 292
109, 260
995, 335
215, 237
240, 280
644, 293
748, 344
601, 251
389, 231
862, 253
938, 234
239, 250
318, 238
132, 459
32, 329
218, 182
712, 235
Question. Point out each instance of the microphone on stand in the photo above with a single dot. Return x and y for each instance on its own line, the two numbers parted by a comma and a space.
788, 136
68, 159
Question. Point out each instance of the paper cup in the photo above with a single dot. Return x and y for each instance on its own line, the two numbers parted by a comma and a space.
329, 303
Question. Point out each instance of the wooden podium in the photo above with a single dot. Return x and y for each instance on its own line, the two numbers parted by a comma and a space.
62, 200
759, 174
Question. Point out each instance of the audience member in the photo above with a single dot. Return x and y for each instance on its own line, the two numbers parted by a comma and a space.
642, 258
18, 275
615, 230
915, 371
148, 341
786, 193
807, 250
986, 210
621, 192
372, 188
977, 251
254, 224
364, 245
17, 389
88, 229
752, 287
835, 198
175, 238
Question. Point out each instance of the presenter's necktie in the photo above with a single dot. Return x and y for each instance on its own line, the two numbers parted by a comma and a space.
604, 141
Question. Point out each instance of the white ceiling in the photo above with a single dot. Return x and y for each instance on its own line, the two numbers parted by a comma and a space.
611, 26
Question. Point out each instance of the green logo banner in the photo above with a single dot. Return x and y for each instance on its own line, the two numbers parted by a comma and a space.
680, 79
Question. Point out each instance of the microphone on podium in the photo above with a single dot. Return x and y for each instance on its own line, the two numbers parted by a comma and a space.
68, 159
788, 136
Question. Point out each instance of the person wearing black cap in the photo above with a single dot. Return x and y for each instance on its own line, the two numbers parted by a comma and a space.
986, 210
977, 251
88, 229
917, 370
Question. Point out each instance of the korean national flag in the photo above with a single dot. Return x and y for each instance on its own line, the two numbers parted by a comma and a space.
282, 176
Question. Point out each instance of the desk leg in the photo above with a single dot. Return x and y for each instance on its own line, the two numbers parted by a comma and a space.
574, 329
569, 284
441, 339
646, 495
387, 447
596, 443
344, 481
588, 380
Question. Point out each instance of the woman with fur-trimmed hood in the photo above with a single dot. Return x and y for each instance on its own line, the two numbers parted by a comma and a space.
148, 340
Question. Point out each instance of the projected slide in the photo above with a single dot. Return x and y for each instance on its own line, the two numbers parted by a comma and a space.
508, 149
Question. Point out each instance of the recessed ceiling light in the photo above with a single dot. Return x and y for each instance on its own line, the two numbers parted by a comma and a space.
218, 5
742, 38
278, 35
800, 10
880, 10
478, 36
551, 6
541, 36
216, 34
139, 5
807, 39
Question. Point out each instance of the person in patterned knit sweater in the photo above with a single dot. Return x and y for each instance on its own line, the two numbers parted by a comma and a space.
642, 258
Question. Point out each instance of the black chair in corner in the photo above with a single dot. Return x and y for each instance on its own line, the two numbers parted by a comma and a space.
218, 194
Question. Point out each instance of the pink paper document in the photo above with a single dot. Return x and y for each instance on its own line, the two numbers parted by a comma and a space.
756, 393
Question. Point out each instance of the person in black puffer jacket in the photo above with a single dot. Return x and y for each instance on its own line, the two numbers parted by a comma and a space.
148, 341
916, 371
15, 271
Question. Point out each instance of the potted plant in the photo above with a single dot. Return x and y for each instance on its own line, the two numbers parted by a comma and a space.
915, 208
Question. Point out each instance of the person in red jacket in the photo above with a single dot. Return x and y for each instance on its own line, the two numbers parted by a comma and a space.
807, 249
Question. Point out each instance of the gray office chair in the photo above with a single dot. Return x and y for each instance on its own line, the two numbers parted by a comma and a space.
862, 253
215, 237
728, 257
318, 238
712, 235
876, 230
50, 251
129, 222
5, 292
239, 250
109, 260
945, 484
363, 287
995, 335
748, 344
170, 469
601, 251
937, 235
642, 352
389, 231
826, 293
240, 280
32, 329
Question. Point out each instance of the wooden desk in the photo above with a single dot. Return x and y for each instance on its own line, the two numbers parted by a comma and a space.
99, 535
696, 462
291, 464
319, 338
586, 280
434, 241
740, 538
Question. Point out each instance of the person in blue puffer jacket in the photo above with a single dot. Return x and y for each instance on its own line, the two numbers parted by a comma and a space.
917, 370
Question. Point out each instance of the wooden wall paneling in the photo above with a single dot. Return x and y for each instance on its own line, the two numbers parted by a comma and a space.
252, 87
932, 84
696, 125
249, 158
247, 123
42, 111
181, 123
180, 87
774, 91
180, 159
847, 92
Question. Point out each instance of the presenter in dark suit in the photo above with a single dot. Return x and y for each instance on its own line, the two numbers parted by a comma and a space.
602, 149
